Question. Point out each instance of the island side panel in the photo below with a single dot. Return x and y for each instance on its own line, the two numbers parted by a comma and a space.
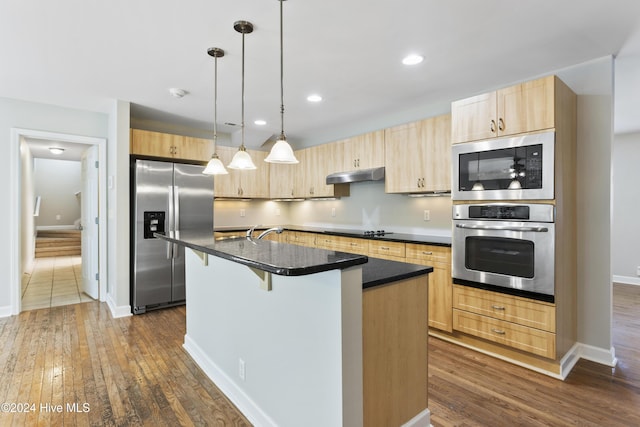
291, 340
395, 353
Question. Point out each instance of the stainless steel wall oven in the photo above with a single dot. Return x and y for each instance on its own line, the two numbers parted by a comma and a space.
515, 168
506, 246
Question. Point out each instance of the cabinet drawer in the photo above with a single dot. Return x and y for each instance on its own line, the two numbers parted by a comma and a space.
386, 249
523, 311
506, 333
428, 253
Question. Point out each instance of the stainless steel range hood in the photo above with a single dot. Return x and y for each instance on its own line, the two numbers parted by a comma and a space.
373, 174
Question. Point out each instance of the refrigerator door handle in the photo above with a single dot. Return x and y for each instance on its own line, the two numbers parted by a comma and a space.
176, 219
171, 220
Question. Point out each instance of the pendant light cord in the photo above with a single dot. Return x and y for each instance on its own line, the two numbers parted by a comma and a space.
242, 107
281, 74
215, 105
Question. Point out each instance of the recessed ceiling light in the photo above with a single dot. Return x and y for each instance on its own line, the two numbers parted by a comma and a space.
412, 59
314, 98
56, 150
260, 122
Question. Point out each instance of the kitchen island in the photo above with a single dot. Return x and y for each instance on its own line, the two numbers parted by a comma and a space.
303, 336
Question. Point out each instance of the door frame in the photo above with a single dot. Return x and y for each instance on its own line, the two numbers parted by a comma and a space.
15, 219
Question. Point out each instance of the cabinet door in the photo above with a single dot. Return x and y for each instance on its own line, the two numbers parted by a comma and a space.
437, 146
363, 151
404, 158
320, 161
474, 118
282, 180
190, 148
526, 107
299, 179
226, 185
255, 183
155, 144
440, 282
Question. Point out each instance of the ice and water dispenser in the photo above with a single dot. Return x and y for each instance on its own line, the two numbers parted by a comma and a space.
153, 223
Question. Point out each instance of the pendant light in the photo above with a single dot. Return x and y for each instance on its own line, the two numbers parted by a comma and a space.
215, 166
281, 151
242, 159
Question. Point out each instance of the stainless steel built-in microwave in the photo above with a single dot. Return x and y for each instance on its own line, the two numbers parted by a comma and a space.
514, 168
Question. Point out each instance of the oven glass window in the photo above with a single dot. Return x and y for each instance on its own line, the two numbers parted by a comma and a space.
507, 168
511, 257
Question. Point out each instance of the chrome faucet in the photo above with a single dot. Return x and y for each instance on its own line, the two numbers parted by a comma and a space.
250, 231
271, 230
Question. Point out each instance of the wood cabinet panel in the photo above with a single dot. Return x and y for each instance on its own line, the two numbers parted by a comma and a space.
523, 311
158, 144
418, 156
361, 152
440, 282
521, 108
320, 161
394, 348
342, 244
523, 338
301, 238
388, 250
241, 183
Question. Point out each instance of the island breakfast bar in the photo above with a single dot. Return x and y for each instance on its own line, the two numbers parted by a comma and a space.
302, 336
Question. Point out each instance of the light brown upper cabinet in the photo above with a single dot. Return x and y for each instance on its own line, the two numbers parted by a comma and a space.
171, 146
320, 161
418, 156
360, 152
243, 183
522, 108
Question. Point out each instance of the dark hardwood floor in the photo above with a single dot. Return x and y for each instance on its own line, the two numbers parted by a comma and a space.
133, 371
467, 388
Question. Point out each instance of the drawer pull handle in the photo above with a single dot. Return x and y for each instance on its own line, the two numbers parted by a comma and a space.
497, 331
427, 253
497, 307
384, 248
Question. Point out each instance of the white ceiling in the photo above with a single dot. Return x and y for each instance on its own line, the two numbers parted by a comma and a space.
85, 54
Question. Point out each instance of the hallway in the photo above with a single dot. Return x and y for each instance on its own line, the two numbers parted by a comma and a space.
54, 281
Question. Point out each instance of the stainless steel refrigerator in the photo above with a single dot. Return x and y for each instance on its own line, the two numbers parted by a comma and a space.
166, 197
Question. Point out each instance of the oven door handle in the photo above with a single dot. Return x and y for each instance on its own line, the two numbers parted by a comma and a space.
503, 228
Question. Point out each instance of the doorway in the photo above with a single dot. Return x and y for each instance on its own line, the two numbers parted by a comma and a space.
87, 273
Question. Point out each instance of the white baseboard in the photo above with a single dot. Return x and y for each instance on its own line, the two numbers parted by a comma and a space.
627, 280
423, 419
118, 311
569, 360
235, 394
599, 355
5, 311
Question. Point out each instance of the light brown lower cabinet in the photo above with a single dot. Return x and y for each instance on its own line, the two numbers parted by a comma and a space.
394, 251
440, 282
513, 321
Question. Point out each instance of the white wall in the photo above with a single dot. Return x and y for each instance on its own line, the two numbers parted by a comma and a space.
625, 237
118, 209
29, 115
56, 182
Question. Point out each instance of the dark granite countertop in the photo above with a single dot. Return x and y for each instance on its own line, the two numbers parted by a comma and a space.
293, 260
392, 237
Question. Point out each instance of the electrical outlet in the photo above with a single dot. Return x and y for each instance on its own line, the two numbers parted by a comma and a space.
638, 271
241, 369
427, 215
277, 211
333, 211
242, 213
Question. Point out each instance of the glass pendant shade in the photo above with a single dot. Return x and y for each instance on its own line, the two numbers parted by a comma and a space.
242, 160
215, 167
477, 186
515, 185
281, 152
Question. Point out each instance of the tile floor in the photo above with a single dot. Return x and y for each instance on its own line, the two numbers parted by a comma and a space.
53, 281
